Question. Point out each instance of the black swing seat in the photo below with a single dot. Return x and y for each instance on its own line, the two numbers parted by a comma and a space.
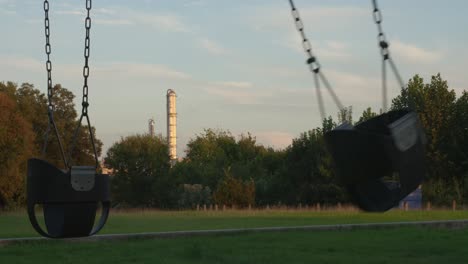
367, 156
70, 199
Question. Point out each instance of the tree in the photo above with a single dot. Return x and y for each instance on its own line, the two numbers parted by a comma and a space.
66, 119
345, 115
366, 115
140, 165
32, 105
16, 142
234, 192
309, 176
440, 114
192, 195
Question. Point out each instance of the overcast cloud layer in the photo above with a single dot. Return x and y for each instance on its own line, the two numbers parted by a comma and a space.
235, 65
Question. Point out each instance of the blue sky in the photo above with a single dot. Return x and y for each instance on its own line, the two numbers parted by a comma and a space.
235, 65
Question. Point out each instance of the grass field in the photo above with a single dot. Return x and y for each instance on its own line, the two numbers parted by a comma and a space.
405, 245
402, 245
17, 224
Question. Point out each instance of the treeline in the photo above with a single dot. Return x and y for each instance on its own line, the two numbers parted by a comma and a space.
220, 168
23, 123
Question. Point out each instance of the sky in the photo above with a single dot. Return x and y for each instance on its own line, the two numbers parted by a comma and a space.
235, 65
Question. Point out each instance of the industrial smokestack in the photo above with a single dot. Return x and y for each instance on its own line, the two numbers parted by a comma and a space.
172, 125
151, 131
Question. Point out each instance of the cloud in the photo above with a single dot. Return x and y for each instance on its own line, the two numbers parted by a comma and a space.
212, 47
163, 22
351, 88
122, 69
332, 12
82, 11
7, 12
236, 84
113, 21
141, 70
334, 50
278, 71
124, 16
414, 54
195, 3
74, 12
106, 11
315, 19
318, 16
275, 139
34, 21
236, 96
328, 49
22, 63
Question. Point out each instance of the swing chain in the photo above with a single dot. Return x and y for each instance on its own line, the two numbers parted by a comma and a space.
314, 65
312, 60
385, 52
50, 92
84, 102
383, 43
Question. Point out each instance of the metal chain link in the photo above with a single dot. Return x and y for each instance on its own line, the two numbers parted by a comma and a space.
385, 52
382, 39
48, 51
313, 63
50, 91
84, 102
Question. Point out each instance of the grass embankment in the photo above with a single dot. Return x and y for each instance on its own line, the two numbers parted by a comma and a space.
405, 245
17, 224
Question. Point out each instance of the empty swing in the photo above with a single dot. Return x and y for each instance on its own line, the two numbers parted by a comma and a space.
70, 197
382, 160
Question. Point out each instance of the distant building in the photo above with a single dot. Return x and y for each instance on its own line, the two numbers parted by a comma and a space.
172, 125
151, 129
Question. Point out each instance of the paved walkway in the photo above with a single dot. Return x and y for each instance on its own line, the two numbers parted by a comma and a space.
455, 224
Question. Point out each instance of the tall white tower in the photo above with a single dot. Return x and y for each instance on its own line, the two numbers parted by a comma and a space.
151, 131
172, 125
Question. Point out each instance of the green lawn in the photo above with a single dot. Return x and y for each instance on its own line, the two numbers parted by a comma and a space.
17, 224
404, 245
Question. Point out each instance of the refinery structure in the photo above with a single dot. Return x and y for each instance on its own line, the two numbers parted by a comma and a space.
151, 129
172, 125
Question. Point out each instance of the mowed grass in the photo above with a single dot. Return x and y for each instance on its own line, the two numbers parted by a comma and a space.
403, 245
17, 224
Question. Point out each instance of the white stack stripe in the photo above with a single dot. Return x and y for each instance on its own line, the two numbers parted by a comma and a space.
172, 125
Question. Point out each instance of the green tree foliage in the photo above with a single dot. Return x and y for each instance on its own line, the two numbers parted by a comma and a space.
366, 115
234, 192
16, 142
140, 166
309, 177
441, 115
30, 111
212, 152
192, 195
270, 184
66, 119
346, 115
32, 105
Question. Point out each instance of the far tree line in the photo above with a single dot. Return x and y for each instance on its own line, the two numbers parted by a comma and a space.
224, 169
